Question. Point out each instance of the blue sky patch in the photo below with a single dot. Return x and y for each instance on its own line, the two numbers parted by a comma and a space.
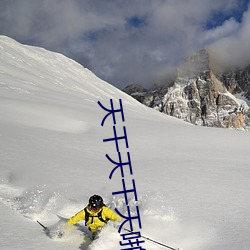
136, 21
219, 17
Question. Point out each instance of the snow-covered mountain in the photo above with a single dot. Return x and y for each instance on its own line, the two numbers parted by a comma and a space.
192, 182
201, 95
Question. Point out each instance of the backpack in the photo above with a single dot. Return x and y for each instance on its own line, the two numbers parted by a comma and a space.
99, 216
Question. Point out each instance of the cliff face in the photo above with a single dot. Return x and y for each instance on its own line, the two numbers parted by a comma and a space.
237, 81
200, 97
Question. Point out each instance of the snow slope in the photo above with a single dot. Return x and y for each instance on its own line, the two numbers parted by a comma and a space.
193, 183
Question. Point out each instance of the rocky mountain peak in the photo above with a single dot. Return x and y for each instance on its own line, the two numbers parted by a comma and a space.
196, 64
200, 96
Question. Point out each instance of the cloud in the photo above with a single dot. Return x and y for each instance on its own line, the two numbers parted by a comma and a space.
123, 41
228, 28
233, 49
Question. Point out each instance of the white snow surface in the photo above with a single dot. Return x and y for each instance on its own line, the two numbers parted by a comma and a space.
193, 183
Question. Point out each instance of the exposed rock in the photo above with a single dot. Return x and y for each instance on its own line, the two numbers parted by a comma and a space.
133, 88
137, 91
237, 81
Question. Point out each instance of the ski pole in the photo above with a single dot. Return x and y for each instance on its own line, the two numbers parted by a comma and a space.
45, 228
157, 242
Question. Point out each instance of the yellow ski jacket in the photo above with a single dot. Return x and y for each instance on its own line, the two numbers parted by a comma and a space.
94, 223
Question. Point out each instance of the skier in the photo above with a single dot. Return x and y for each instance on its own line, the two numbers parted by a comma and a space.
95, 214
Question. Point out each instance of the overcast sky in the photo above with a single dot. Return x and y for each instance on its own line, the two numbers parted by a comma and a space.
131, 41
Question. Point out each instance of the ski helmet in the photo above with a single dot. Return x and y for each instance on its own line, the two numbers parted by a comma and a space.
95, 202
